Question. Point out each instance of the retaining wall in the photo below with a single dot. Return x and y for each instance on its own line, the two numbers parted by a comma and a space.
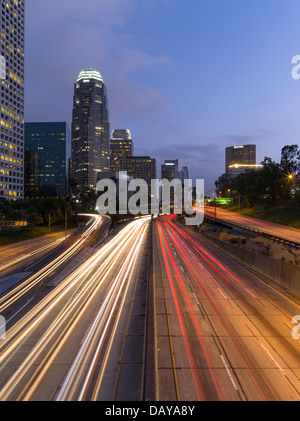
283, 273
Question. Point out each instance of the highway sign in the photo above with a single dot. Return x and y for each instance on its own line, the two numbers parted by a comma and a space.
223, 201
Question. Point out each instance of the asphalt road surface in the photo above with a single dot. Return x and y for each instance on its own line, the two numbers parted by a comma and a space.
85, 339
221, 332
16, 255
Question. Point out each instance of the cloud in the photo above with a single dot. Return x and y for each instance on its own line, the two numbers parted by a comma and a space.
133, 58
111, 13
244, 139
65, 37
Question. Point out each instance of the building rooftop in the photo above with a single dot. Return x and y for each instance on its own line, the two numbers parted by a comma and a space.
90, 74
120, 133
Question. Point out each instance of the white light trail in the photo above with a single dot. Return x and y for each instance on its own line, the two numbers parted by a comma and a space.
86, 285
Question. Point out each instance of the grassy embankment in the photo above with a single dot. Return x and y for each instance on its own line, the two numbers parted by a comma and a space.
289, 215
15, 235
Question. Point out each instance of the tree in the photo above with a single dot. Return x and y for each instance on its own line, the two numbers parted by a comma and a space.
88, 198
290, 159
73, 182
265, 185
273, 182
225, 184
248, 186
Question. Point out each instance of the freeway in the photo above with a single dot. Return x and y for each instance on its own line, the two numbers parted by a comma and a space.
85, 340
221, 333
16, 255
272, 229
48, 264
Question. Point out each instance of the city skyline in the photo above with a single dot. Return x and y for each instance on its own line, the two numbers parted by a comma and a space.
120, 279
223, 79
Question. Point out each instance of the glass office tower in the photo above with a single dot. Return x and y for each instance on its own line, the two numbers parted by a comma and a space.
12, 100
121, 146
90, 129
184, 173
142, 167
47, 156
238, 158
169, 170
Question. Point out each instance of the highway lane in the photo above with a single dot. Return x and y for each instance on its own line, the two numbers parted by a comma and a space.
16, 250
15, 297
221, 332
62, 349
284, 232
15, 256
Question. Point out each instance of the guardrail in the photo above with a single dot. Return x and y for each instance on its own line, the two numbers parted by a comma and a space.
254, 230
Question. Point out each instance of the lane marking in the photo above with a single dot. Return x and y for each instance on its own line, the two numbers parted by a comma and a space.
14, 315
273, 359
229, 373
222, 293
251, 293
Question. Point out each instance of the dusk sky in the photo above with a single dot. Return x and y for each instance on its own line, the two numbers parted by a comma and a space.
186, 77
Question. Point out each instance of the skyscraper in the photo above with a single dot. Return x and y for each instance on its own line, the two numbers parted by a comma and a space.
169, 170
121, 146
90, 129
12, 100
239, 158
47, 154
184, 173
142, 167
